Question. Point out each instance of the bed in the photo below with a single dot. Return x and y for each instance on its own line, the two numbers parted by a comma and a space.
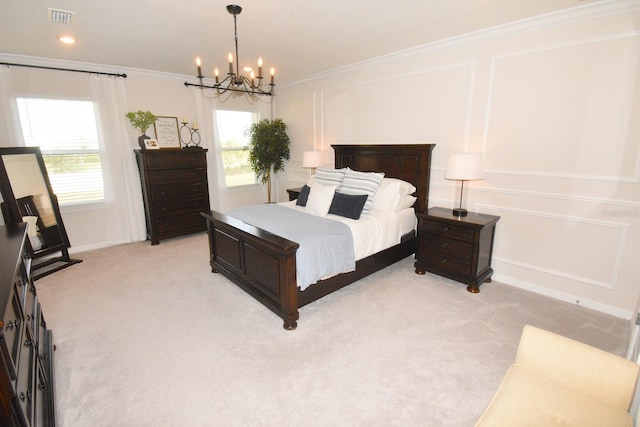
264, 264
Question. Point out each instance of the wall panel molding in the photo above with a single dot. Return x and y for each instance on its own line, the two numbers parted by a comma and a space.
615, 232
580, 110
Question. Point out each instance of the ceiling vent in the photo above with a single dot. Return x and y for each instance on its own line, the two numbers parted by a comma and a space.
57, 16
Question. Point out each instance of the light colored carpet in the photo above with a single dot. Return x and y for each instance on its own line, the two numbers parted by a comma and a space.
148, 336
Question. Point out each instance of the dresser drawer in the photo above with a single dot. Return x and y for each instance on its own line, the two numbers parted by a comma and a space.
12, 333
177, 176
26, 375
184, 191
445, 229
30, 306
180, 206
41, 400
172, 223
448, 247
176, 160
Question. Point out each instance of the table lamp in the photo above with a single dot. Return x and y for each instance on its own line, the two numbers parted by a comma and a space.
463, 167
312, 159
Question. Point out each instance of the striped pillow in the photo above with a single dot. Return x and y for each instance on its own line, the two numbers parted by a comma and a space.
355, 182
329, 176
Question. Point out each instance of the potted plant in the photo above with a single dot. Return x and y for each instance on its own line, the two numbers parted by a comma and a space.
269, 148
142, 120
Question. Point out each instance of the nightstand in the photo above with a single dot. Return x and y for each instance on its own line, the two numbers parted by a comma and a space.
293, 193
457, 248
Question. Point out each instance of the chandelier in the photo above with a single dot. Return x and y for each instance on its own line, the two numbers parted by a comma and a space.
235, 81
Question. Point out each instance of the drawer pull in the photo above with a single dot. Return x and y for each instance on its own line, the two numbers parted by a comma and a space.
445, 229
445, 244
24, 396
13, 324
444, 261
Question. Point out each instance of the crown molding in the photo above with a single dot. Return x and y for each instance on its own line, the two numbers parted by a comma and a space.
552, 19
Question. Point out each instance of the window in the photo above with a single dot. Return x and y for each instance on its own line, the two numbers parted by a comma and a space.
66, 132
232, 126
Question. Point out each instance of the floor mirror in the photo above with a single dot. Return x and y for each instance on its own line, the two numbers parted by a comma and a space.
27, 196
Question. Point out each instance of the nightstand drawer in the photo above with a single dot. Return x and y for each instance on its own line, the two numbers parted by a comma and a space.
439, 261
445, 229
448, 247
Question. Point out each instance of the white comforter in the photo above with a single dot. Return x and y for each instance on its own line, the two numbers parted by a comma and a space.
374, 231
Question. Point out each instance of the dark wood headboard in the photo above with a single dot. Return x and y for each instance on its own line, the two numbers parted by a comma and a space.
409, 162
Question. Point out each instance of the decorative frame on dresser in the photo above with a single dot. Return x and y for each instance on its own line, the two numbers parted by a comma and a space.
175, 191
26, 345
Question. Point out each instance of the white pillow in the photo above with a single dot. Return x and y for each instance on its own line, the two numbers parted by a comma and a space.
404, 188
388, 196
405, 202
355, 182
320, 198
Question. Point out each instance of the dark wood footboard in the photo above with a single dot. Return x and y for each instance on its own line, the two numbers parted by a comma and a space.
261, 263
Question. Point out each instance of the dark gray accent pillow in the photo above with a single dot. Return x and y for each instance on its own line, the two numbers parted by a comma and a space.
303, 195
348, 205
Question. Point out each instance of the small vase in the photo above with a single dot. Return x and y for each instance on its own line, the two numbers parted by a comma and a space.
141, 139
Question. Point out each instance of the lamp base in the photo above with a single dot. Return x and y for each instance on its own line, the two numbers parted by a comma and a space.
459, 212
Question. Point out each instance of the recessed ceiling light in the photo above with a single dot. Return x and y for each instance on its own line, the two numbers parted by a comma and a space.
67, 39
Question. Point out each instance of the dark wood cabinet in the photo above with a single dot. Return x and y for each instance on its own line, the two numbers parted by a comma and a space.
175, 191
26, 345
457, 248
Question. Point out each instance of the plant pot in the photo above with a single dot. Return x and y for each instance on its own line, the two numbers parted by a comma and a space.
141, 139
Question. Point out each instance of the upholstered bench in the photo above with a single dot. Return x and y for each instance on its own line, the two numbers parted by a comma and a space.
558, 381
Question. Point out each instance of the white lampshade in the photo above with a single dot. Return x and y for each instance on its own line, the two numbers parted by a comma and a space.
312, 159
464, 166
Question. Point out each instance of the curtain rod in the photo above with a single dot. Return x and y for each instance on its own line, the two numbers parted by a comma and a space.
124, 76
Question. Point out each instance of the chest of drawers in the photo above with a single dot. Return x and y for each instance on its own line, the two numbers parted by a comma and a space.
26, 345
457, 248
175, 191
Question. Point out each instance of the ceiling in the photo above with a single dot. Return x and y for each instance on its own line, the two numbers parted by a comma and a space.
297, 37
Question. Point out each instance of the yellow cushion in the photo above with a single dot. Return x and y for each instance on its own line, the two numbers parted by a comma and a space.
526, 398
578, 365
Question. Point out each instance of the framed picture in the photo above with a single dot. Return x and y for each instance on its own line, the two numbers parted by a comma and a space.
151, 144
167, 132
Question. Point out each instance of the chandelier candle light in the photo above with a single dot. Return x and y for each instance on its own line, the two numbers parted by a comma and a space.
235, 81
463, 167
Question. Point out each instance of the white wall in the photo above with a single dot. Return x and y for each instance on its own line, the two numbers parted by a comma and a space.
553, 105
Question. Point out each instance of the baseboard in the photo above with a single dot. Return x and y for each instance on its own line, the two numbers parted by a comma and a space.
562, 296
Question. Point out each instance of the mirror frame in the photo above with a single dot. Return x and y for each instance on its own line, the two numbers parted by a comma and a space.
49, 263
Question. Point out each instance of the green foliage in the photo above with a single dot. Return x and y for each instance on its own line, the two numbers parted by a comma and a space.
269, 148
141, 119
